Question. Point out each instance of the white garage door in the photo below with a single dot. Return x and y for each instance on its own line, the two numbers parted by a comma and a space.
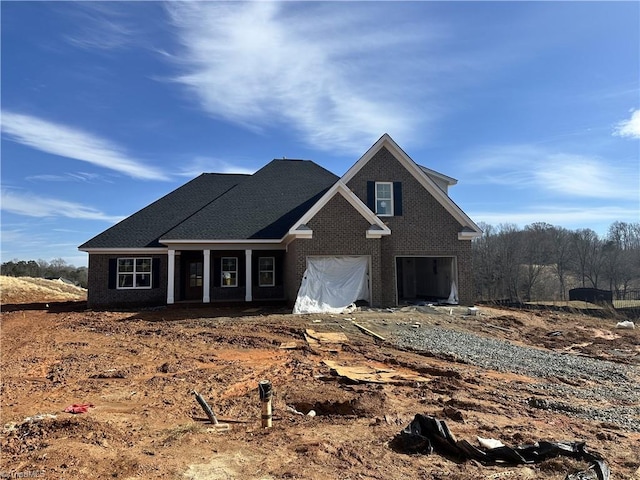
332, 283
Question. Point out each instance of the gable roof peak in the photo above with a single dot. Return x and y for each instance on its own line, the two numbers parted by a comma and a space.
422, 175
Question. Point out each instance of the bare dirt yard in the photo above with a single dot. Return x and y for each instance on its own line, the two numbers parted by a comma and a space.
138, 370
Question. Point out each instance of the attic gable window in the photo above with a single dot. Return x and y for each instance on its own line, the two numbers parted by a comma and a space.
384, 199
134, 273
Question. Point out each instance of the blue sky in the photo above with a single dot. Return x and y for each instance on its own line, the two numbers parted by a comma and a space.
533, 106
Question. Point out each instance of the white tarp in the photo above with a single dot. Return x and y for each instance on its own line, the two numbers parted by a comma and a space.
453, 296
330, 284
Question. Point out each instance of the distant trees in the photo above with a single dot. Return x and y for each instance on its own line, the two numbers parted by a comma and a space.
542, 261
57, 268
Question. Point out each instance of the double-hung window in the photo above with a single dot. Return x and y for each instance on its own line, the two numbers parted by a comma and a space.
229, 271
266, 271
134, 273
384, 199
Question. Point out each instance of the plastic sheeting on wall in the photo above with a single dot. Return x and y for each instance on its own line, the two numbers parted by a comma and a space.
453, 296
330, 284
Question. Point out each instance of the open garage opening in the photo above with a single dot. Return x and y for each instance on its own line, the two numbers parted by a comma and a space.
430, 279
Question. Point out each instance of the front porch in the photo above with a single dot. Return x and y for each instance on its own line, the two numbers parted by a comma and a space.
229, 275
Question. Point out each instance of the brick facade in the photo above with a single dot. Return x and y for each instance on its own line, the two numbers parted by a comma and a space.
425, 227
101, 296
338, 229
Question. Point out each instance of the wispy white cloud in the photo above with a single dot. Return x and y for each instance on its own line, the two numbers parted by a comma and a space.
569, 217
70, 142
101, 26
200, 165
562, 174
32, 205
629, 128
65, 177
261, 64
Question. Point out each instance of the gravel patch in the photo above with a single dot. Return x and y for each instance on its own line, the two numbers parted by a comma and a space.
610, 388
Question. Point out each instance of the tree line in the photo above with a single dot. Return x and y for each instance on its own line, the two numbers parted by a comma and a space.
543, 262
57, 268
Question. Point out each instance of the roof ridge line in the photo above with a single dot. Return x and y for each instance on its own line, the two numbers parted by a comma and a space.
199, 210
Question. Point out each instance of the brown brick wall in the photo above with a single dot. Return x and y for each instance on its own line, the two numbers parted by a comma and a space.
338, 229
100, 295
425, 227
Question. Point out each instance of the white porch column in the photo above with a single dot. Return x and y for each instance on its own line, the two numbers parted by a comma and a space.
248, 296
206, 281
171, 273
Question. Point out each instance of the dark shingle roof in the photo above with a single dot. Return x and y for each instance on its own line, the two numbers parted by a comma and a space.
264, 206
145, 227
225, 207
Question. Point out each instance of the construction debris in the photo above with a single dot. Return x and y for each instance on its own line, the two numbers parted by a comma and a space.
366, 374
78, 408
369, 332
427, 435
626, 324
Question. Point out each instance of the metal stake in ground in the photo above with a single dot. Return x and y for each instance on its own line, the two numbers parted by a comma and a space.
266, 396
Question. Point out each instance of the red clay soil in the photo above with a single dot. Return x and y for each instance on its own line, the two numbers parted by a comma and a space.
138, 370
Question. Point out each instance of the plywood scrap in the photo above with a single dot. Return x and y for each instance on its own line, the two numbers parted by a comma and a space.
326, 337
369, 332
368, 374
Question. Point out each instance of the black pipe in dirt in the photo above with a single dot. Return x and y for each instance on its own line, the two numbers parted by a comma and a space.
205, 406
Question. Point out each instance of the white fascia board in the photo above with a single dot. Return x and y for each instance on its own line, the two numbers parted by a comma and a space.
361, 208
303, 234
224, 244
374, 231
124, 251
230, 241
468, 235
447, 179
417, 172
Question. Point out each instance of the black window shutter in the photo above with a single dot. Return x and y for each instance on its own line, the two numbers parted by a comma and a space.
155, 273
371, 195
217, 272
113, 273
255, 270
397, 199
242, 271
279, 269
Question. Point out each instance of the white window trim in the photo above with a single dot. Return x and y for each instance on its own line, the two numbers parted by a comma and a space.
134, 273
390, 199
273, 271
222, 272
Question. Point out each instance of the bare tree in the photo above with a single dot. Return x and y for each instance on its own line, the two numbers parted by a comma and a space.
622, 256
560, 256
535, 253
589, 255
484, 263
508, 260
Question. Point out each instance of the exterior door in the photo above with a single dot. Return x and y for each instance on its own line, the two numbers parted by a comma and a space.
194, 280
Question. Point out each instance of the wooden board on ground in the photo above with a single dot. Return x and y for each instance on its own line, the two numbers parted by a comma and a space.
326, 337
367, 374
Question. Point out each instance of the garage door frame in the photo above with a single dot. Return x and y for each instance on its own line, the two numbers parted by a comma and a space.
453, 272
